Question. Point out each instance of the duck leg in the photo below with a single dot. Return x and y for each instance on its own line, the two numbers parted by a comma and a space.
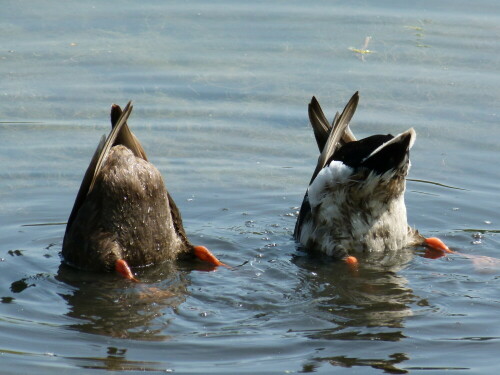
121, 266
202, 253
435, 243
437, 249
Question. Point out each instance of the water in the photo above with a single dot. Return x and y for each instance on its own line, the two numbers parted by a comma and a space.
220, 91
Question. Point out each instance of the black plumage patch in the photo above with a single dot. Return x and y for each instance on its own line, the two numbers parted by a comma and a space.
355, 154
352, 154
389, 157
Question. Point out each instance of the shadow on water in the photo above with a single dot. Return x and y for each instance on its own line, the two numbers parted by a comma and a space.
365, 305
119, 308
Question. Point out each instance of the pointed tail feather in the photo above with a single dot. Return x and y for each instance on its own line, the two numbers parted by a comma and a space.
319, 123
125, 136
321, 127
336, 133
110, 141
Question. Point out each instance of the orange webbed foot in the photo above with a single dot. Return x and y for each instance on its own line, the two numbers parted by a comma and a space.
436, 248
123, 269
436, 244
202, 253
352, 265
351, 261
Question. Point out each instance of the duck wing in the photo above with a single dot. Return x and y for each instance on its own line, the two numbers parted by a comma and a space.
319, 123
327, 147
321, 127
97, 161
336, 133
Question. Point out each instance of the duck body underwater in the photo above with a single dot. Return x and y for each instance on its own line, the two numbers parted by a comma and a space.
123, 215
355, 199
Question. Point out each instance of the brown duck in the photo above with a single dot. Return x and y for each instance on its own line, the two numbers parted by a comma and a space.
123, 215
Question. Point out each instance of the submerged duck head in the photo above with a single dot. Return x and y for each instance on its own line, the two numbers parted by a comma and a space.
355, 200
123, 214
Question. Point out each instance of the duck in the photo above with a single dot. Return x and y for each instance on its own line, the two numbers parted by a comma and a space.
123, 216
355, 199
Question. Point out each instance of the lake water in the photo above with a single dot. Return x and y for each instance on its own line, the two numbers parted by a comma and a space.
220, 93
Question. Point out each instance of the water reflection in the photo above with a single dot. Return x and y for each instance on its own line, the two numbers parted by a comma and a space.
368, 304
389, 365
115, 360
118, 308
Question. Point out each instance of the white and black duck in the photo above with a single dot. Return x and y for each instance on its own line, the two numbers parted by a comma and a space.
355, 199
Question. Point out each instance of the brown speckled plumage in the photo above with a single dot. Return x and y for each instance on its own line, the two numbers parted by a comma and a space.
123, 209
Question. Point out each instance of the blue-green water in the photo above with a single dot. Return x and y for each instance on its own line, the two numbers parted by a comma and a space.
220, 93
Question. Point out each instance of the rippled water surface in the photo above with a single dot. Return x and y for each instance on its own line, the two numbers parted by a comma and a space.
220, 93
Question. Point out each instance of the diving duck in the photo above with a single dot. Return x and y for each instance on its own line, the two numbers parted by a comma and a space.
123, 215
355, 199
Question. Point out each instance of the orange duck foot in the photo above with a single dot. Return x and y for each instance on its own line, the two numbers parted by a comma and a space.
351, 261
436, 248
202, 253
352, 265
437, 244
123, 269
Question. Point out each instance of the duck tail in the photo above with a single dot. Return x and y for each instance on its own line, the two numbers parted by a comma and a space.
125, 136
